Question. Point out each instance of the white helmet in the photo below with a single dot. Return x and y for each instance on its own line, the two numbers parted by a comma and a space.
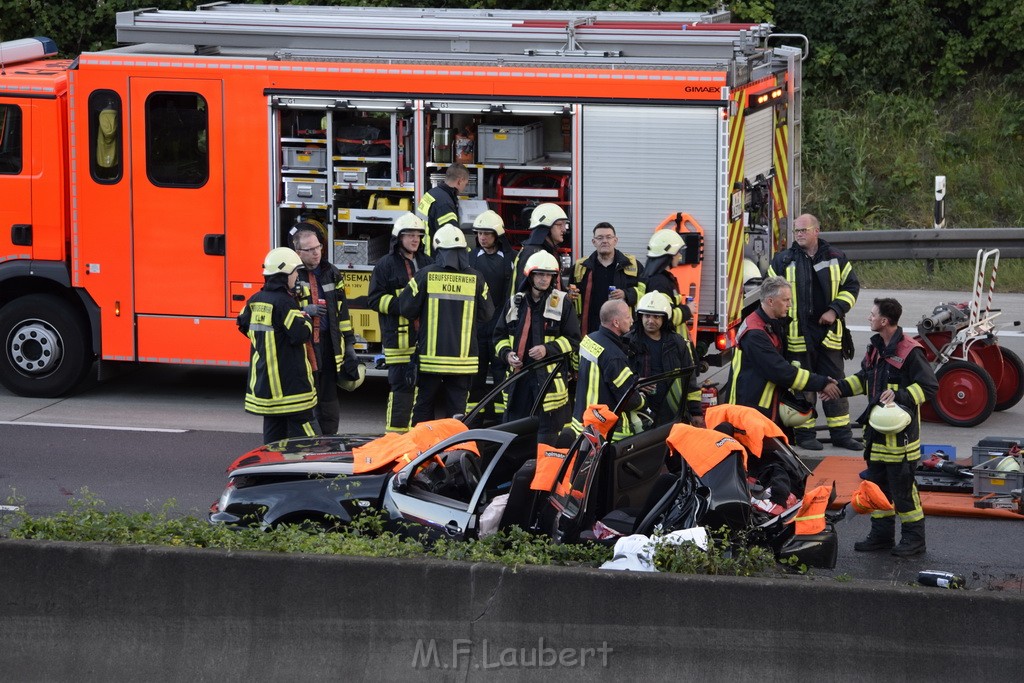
449, 237
664, 242
890, 418
489, 220
408, 222
281, 261
655, 303
751, 273
794, 411
541, 262
1008, 464
547, 214
353, 384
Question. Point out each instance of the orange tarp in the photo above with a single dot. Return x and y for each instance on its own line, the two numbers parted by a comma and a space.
702, 448
403, 448
845, 471
746, 419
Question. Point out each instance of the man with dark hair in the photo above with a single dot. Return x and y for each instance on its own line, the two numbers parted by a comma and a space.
440, 205
825, 288
894, 370
605, 274
759, 371
334, 352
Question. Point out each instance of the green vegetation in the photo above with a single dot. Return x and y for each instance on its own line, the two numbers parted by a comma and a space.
956, 275
727, 555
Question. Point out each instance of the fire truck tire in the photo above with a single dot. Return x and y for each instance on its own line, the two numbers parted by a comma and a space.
45, 346
1010, 387
966, 395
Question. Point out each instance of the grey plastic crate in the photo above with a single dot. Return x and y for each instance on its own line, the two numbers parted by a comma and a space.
305, 157
992, 447
988, 480
509, 144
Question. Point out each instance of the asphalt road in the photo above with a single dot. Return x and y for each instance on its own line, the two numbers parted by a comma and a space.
157, 433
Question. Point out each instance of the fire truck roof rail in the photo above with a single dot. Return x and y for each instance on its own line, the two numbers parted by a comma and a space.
446, 33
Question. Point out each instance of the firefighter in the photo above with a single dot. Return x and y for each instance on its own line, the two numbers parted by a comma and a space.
390, 276
449, 300
665, 251
334, 350
894, 370
548, 226
653, 347
759, 371
440, 205
536, 322
605, 274
280, 384
825, 288
604, 374
493, 258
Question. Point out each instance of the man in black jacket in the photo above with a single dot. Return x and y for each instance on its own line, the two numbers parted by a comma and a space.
390, 276
825, 288
548, 226
440, 205
759, 370
333, 339
280, 386
605, 274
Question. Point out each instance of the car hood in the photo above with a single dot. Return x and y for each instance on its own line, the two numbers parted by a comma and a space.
332, 451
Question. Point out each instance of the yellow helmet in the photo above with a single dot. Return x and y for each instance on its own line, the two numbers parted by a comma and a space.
664, 242
353, 384
547, 214
408, 222
281, 261
489, 220
890, 418
541, 262
449, 237
655, 303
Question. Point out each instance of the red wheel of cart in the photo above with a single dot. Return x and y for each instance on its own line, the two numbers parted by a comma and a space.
966, 395
1007, 372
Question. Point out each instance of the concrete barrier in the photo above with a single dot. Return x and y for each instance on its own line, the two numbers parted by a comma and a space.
98, 612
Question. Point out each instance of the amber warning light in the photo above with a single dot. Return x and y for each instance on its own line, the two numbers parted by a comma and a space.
764, 99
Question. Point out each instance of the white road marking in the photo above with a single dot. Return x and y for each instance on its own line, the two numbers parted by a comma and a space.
74, 426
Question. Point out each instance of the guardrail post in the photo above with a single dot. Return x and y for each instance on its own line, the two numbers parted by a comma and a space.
940, 215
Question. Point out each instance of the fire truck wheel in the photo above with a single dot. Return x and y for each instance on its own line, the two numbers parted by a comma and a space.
45, 347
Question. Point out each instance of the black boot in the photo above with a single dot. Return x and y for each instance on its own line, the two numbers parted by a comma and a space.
842, 437
881, 537
805, 439
911, 540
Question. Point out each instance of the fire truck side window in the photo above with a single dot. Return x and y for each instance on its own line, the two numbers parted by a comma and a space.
177, 134
105, 133
10, 139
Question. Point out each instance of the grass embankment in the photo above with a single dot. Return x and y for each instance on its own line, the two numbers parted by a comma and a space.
956, 275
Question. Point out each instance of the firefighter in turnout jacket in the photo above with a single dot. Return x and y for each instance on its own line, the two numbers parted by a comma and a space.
449, 300
759, 370
537, 322
605, 274
280, 384
825, 288
440, 205
894, 370
493, 258
655, 347
333, 338
665, 251
605, 375
548, 225
389, 278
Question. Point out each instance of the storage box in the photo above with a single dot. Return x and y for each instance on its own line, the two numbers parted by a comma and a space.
988, 480
305, 190
993, 447
360, 252
355, 175
509, 144
304, 157
470, 191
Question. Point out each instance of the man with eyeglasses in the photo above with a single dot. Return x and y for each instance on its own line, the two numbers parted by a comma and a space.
605, 274
334, 353
825, 288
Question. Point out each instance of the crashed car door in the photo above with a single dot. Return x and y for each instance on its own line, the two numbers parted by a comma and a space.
407, 501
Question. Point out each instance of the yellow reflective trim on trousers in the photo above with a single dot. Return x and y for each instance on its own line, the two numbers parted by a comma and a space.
837, 421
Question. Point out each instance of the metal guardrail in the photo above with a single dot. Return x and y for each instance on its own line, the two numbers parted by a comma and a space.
927, 243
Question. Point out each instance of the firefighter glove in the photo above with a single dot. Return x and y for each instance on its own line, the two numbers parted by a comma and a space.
315, 310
